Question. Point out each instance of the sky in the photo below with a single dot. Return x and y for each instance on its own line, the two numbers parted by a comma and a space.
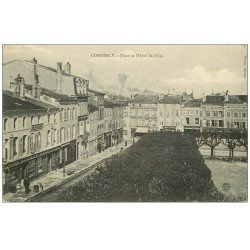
174, 68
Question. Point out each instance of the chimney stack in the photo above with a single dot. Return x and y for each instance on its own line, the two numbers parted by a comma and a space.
226, 96
204, 98
22, 88
67, 68
59, 77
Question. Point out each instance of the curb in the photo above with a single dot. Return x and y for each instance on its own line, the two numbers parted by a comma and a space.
47, 190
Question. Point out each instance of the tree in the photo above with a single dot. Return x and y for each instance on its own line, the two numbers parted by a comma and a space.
212, 139
243, 140
231, 141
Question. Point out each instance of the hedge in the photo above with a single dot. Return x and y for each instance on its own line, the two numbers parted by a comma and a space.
159, 167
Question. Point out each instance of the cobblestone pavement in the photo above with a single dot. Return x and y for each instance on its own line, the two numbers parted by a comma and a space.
57, 177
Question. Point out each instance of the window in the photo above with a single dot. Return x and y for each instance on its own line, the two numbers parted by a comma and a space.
207, 113
32, 143
55, 118
24, 122
5, 124
196, 121
15, 139
65, 114
187, 120
212, 113
48, 137
236, 115
55, 135
68, 116
236, 125
212, 123
196, 111
74, 113
61, 115
38, 140
220, 114
221, 123
15, 123
68, 132
177, 112
228, 113
39, 119
6, 149
73, 131
243, 115
48, 118
243, 125
24, 143
32, 120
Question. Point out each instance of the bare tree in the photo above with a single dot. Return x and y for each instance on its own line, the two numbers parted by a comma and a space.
243, 140
212, 139
231, 141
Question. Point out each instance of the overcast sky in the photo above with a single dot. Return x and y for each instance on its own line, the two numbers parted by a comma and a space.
203, 68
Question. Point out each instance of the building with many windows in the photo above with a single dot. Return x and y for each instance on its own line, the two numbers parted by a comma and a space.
235, 112
192, 115
143, 113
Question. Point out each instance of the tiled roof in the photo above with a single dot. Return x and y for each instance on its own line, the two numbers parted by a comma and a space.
214, 99
237, 99
12, 103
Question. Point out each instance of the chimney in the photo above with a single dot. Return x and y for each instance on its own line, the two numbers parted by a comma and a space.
67, 68
204, 98
226, 96
86, 86
22, 88
59, 77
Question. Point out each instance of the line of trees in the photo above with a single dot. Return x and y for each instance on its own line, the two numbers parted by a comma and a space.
231, 139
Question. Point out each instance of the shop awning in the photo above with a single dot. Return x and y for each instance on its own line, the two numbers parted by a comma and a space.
141, 130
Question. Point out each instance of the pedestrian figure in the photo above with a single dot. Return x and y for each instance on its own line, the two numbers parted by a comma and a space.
27, 185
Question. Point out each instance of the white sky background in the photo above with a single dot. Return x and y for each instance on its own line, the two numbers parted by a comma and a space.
203, 68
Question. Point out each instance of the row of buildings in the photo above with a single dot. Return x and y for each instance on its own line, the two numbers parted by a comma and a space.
165, 112
52, 118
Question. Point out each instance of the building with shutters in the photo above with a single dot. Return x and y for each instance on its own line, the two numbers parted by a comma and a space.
26, 152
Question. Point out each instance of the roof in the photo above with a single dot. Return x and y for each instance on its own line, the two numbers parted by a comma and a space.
95, 92
237, 99
145, 98
171, 100
110, 104
92, 108
141, 130
193, 103
41, 66
214, 99
41, 103
12, 103
59, 97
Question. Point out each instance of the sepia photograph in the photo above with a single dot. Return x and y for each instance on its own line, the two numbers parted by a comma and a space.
124, 123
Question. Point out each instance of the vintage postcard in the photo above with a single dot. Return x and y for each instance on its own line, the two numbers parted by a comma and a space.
124, 123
